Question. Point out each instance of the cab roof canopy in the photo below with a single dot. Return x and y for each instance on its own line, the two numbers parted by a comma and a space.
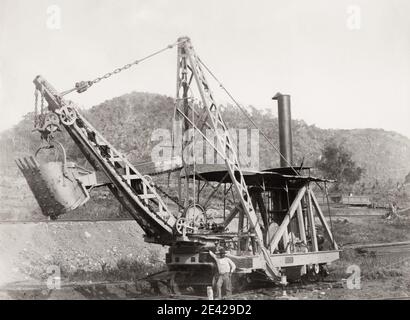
269, 178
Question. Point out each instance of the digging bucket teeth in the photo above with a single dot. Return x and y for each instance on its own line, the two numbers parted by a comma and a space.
54, 185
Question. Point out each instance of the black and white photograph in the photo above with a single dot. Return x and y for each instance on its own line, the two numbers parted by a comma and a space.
216, 152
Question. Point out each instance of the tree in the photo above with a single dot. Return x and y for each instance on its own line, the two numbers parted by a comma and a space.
407, 178
336, 163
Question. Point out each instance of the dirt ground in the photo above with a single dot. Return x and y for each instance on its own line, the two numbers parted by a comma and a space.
391, 288
29, 250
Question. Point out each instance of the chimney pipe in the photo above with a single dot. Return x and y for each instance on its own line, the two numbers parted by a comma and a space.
285, 129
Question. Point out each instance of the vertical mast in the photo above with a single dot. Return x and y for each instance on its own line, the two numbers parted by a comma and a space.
226, 147
224, 142
182, 103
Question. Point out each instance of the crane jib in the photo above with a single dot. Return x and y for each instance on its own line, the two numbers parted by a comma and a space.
131, 186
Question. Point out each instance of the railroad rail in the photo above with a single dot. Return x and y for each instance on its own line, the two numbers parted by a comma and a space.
379, 249
378, 245
268, 292
64, 221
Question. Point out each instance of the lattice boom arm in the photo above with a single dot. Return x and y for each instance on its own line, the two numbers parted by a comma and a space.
129, 186
224, 140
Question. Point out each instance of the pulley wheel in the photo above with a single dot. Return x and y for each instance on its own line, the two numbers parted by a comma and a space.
68, 116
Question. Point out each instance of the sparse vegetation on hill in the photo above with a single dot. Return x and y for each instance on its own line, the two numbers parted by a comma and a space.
336, 163
129, 121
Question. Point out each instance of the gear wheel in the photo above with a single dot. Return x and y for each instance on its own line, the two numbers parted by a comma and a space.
67, 116
182, 224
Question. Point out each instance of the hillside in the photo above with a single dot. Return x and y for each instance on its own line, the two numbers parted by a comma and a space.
128, 122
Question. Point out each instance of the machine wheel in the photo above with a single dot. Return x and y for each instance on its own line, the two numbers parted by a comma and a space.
195, 215
68, 116
182, 224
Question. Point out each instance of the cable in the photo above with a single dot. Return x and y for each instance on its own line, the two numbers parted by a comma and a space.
247, 116
290, 221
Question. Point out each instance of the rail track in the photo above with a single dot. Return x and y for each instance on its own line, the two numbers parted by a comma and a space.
126, 289
379, 249
63, 220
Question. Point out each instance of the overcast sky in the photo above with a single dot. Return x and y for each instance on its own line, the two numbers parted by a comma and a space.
346, 64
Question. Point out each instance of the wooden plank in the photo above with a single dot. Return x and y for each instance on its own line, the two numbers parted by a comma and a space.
232, 215
312, 226
285, 239
323, 221
283, 227
301, 224
249, 263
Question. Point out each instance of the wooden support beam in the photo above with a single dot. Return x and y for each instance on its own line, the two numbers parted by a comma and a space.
311, 219
232, 215
301, 224
302, 232
179, 187
323, 221
283, 227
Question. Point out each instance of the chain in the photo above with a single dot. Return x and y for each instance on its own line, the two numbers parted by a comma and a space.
247, 116
42, 102
118, 70
82, 86
35, 108
38, 117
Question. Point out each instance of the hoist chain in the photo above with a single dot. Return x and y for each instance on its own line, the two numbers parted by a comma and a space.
42, 103
38, 116
84, 85
36, 108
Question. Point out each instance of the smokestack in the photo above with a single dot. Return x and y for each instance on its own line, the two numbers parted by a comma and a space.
285, 129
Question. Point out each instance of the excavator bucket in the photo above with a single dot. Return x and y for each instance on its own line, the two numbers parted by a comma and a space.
58, 187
